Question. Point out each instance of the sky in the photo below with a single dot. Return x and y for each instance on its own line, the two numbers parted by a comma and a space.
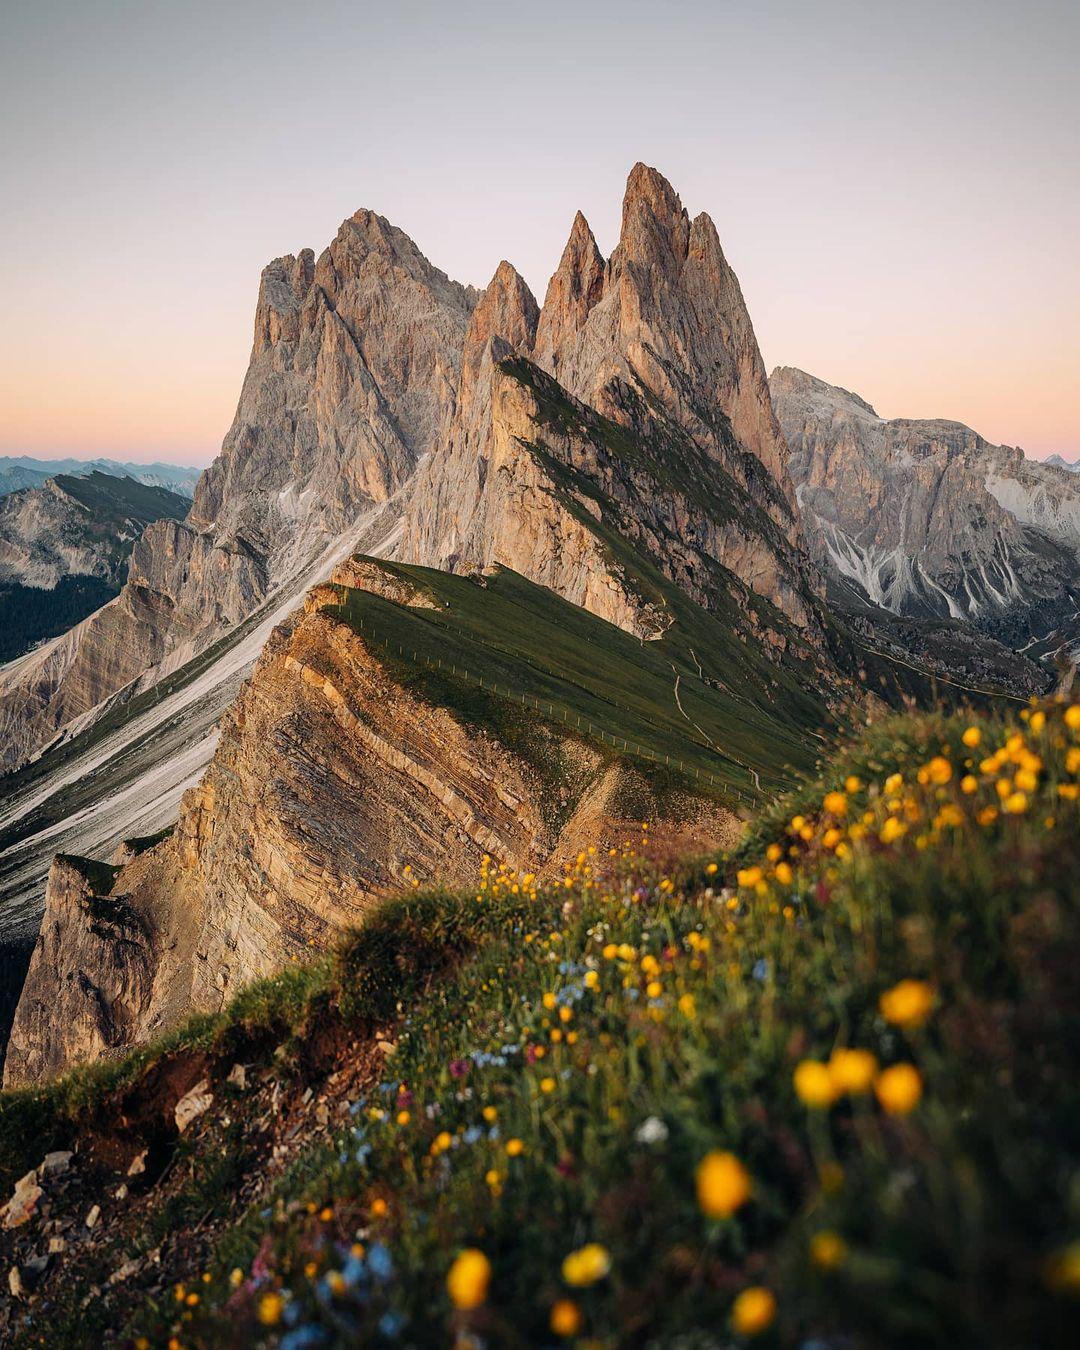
896, 185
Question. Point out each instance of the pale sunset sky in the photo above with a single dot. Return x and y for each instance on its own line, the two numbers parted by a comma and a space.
896, 185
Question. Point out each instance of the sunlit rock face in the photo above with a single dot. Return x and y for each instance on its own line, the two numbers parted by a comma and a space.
353, 375
924, 517
332, 785
641, 376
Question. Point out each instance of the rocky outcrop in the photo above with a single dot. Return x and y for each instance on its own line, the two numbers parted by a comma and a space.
925, 518
333, 784
353, 375
636, 404
90, 975
667, 318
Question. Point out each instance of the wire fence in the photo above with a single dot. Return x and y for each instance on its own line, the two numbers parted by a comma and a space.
554, 711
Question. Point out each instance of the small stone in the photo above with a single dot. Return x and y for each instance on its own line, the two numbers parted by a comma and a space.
124, 1272
238, 1076
121, 1192
23, 1202
93, 1216
15, 1283
57, 1245
34, 1269
138, 1164
193, 1104
56, 1164
307, 1096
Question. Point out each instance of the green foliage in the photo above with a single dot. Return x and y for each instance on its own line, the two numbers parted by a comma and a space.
629, 1020
591, 679
29, 614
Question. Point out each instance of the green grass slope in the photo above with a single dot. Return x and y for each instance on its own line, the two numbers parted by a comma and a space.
824, 1092
697, 701
111, 501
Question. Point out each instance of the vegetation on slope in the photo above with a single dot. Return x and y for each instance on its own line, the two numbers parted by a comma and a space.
29, 614
821, 1092
691, 698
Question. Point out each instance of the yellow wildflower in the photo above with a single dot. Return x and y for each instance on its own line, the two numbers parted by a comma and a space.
939, 770
907, 1004
828, 1250
565, 1318
971, 737
892, 830
754, 1311
271, 1306
852, 1070
899, 1089
723, 1184
835, 803
814, 1084
468, 1278
586, 1266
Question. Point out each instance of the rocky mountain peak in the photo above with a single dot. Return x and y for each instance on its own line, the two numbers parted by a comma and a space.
790, 382
669, 322
503, 322
655, 225
506, 309
576, 285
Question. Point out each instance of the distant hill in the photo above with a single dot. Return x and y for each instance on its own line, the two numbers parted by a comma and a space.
23, 471
64, 548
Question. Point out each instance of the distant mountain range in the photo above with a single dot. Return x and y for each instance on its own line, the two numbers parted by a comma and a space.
24, 471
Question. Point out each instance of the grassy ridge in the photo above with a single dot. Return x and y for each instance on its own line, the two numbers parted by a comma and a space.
873, 1009
518, 635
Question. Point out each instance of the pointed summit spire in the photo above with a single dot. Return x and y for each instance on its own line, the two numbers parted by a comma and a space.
507, 311
576, 285
653, 218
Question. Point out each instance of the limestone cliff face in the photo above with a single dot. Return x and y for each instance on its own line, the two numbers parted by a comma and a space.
332, 785
642, 378
665, 316
927, 518
353, 376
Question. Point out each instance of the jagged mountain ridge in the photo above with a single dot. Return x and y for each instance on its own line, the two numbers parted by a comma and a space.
926, 518
663, 506
22, 471
634, 401
356, 376
353, 371
344, 771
